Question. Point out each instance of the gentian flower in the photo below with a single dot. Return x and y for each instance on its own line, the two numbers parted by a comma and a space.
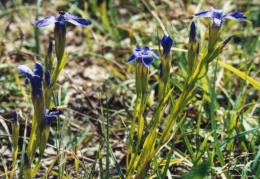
192, 31
50, 115
143, 55
193, 48
218, 17
61, 19
60, 29
167, 43
49, 57
15, 118
165, 65
34, 77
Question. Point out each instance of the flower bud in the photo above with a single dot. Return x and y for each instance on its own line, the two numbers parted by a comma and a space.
15, 137
219, 49
27, 167
49, 57
193, 47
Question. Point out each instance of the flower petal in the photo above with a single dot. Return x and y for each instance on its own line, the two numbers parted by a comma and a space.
36, 83
132, 58
78, 22
51, 116
219, 11
147, 60
15, 118
71, 15
26, 71
217, 22
38, 70
145, 48
192, 30
151, 52
167, 43
235, 15
137, 49
203, 14
45, 22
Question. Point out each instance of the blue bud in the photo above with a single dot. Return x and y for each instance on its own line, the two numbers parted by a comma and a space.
167, 43
50, 49
15, 118
192, 31
47, 78
35, 78
227, 39
26, 163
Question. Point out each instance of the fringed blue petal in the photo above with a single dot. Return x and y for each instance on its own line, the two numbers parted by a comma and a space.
147, 60
137, 49
217, 22
203, 14
78, 22
26, 71
45, 22
151, 52
71, 15
50, 116
38, 70
132, 58
235, 15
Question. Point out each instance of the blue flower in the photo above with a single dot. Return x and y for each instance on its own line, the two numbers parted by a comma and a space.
15, 118
218, 17
192, 31
143, 55
35, 78
50, 49
167, 43
60, 28
61, 19
50, 115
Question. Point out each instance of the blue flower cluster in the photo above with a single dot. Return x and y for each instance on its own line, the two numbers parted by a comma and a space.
34, 77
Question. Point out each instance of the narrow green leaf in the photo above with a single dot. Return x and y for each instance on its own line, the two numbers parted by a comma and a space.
241, 74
